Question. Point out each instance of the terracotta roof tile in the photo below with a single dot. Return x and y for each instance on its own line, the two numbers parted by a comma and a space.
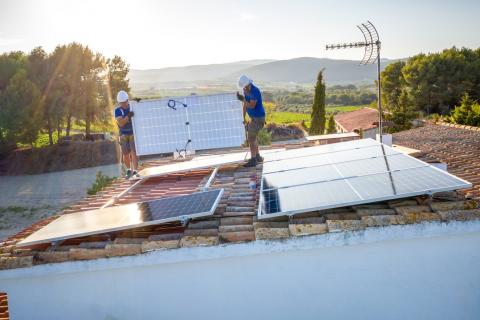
457, 146
364, 119
234, 220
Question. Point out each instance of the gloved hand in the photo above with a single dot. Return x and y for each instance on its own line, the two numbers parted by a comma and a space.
130, 114
240, 97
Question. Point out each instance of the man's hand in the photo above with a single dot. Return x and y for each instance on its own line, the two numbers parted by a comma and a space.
240, 97
130, 114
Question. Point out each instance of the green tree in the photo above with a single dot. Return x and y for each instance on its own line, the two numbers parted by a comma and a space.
392, 84
402, 115
318, 109
117, 77
468, 112
10, 64
331, 128
20, 118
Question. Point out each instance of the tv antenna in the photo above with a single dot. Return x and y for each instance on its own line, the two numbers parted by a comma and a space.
372, 46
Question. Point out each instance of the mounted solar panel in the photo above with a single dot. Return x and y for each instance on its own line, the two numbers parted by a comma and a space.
345, 174
201, 162
124, 217
187, 123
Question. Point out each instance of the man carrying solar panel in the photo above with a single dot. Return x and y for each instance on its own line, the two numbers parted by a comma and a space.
123, 115
252, 104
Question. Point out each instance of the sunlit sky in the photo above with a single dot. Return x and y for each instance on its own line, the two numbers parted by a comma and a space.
156, 34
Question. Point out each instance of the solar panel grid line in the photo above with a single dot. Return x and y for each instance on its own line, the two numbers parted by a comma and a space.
348, 183
326, 172
344, 178
308, 150
269, 164
320, 165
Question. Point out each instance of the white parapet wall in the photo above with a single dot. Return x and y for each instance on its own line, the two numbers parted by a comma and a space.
427, 271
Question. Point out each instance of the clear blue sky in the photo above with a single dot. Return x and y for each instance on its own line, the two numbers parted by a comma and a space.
155, 34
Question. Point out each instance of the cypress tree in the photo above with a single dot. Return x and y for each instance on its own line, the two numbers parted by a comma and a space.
318, 109
331, 124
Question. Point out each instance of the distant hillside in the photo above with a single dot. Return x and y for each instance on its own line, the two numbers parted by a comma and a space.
304, 70
298, 70
210, 72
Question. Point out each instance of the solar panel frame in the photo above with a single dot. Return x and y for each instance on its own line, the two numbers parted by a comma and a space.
207, 122
359, 200
130, 211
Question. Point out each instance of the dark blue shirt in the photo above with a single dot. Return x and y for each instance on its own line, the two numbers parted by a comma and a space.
254, 94
127, 129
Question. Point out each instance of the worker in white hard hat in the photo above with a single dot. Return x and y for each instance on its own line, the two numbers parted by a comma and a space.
253, 106
123, 116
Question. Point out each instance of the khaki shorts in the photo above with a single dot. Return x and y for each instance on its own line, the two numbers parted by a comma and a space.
127, 144
254, 126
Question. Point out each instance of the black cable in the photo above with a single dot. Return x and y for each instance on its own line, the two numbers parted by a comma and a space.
172, 104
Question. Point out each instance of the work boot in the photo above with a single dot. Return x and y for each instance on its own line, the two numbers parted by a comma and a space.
259, 158
128, 174
250, 163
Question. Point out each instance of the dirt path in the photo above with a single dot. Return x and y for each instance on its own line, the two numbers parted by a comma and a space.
26, 199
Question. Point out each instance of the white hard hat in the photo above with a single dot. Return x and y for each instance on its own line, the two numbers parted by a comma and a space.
122, 96
244, 81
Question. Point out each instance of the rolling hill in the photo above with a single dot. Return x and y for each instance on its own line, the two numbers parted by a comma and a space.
299, 70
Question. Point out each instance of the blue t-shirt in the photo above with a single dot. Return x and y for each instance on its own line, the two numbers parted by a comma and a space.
126, 130
254, 94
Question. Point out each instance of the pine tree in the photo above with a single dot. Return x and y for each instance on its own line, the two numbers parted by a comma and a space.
318, 109
331, 124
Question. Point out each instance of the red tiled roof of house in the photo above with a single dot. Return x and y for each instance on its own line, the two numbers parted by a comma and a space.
4, 315
456, 145
234, 220
364, 119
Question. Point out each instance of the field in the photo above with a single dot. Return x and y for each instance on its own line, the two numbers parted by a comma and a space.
339, 109
294, 117
288, 117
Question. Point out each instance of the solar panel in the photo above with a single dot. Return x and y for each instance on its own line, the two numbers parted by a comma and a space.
187, 123
201, 162
344, 174
124, 217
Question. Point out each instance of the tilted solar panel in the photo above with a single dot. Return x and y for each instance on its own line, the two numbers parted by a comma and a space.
344, 174
124, 217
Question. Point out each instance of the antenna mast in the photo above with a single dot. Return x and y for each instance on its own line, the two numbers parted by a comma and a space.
372, 46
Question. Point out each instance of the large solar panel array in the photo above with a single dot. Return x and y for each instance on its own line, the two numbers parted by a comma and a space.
187, 123
343, 174
124, 217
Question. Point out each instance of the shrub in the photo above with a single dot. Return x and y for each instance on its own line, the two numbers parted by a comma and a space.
264, 137
101, 181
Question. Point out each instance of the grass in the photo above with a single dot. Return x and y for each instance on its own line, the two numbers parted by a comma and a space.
342, 108
288, 117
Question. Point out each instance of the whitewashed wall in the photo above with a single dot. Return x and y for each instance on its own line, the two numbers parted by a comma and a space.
413, 272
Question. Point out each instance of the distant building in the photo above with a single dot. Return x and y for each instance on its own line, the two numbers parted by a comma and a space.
365, 119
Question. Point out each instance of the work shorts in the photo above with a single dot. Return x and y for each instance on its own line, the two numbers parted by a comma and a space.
127, 143
254, 126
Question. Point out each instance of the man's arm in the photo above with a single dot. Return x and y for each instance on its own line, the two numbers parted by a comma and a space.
122, 121
251, 105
